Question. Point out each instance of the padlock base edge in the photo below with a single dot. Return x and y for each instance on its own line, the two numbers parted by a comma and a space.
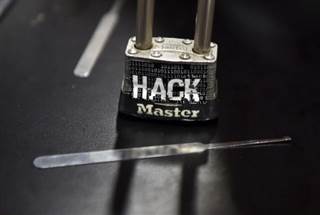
155, 111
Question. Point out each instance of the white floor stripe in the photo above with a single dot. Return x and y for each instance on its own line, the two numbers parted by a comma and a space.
97, 42
4, 5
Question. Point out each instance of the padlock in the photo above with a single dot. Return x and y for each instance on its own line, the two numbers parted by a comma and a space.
171, 78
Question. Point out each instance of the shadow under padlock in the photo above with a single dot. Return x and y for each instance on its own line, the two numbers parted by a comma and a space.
136, 133
171, 78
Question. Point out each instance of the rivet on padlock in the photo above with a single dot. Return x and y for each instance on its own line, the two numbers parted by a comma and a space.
170, 78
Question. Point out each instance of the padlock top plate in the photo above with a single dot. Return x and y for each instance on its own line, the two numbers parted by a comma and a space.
172, 50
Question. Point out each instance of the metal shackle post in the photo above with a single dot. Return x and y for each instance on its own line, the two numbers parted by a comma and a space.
145, 14
203, 30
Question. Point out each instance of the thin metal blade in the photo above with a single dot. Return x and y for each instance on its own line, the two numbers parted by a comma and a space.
114, 155
249, 143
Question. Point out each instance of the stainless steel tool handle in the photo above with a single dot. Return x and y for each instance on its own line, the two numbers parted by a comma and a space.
114, 155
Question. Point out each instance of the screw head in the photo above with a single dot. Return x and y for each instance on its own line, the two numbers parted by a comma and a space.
212, 45
159, 39
210, 56
156, 54
187, 42
133, 51
185, 56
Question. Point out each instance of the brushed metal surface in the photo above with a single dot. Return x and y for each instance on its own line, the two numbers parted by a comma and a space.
114, 155
204, 25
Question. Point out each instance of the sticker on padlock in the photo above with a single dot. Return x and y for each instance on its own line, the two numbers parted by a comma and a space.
171, 78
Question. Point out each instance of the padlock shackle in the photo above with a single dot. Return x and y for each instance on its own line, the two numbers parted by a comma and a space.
203, 30
144, 28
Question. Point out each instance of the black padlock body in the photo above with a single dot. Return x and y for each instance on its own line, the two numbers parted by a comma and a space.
169, 90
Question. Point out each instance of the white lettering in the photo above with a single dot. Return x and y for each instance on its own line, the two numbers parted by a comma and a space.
195, 113
158, 89
144, 109
158, 112
185, 113
176, 112
172, 93
191, 89
168, 113
137, 86
171, 83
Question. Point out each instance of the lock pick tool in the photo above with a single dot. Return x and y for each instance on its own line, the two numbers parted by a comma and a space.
114, 155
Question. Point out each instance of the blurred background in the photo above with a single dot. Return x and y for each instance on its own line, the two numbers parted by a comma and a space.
268, 71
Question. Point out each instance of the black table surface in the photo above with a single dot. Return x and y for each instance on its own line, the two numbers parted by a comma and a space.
268, 72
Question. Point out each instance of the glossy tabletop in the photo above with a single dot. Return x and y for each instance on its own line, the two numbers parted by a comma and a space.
268, 71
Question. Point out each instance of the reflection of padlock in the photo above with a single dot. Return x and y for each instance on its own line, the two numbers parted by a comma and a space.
170, 78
